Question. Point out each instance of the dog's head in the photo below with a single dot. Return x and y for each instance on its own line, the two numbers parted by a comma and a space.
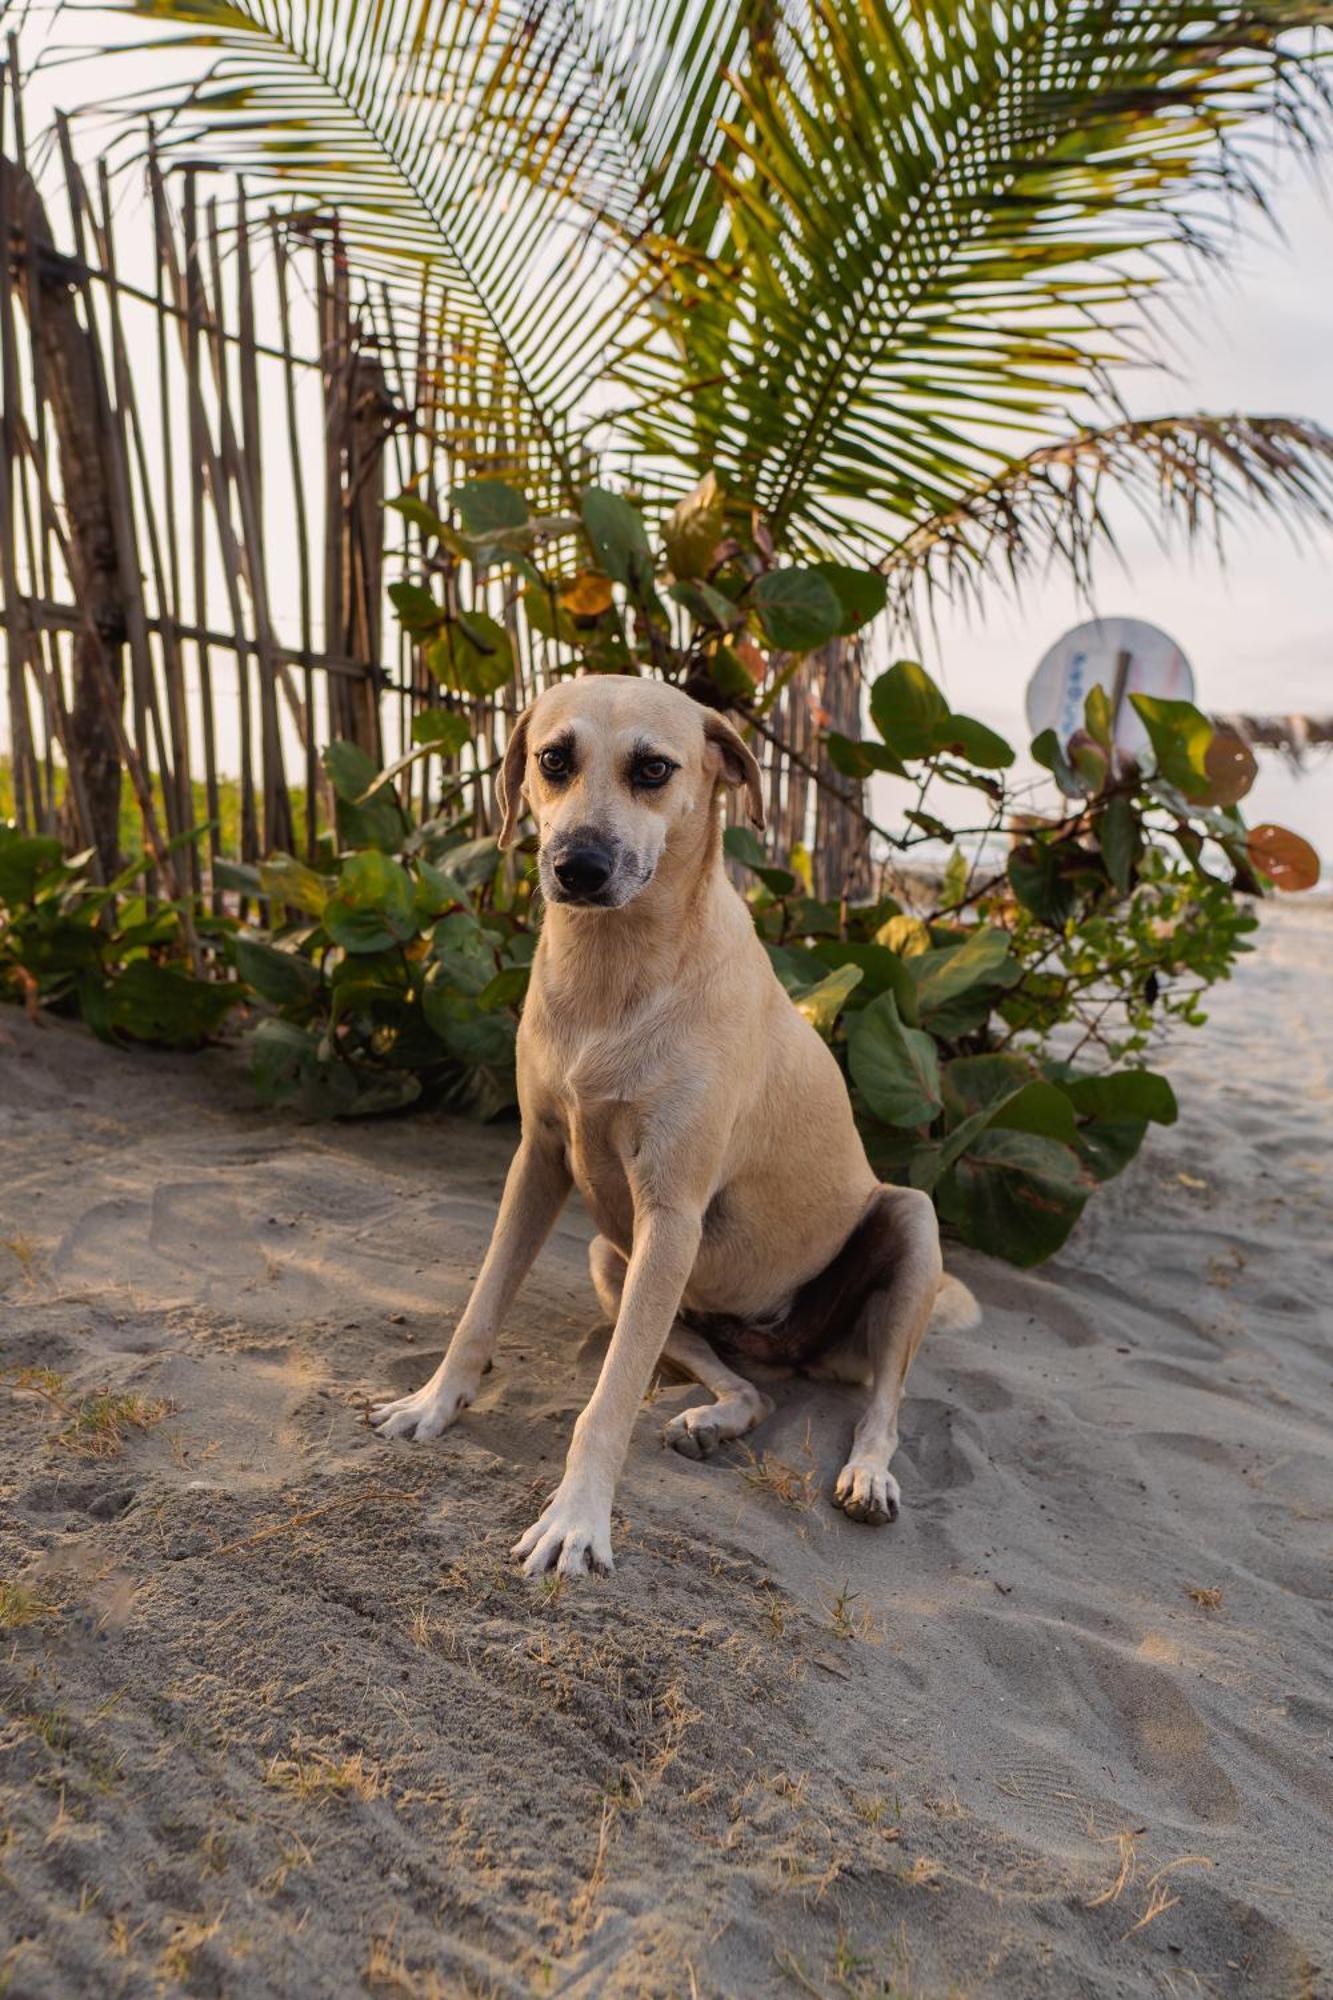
618, 772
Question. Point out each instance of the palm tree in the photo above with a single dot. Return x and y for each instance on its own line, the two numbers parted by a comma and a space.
876, 264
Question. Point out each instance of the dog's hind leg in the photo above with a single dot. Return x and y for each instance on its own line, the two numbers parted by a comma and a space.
739, 1405
903, 1271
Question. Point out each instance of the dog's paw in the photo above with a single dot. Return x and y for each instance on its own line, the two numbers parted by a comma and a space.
697, 1432
572, 1535
422, 1416
867, 1493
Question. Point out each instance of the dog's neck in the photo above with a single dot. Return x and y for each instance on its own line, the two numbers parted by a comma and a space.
606, 963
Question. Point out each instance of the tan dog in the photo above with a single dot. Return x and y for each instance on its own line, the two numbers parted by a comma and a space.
663, 1071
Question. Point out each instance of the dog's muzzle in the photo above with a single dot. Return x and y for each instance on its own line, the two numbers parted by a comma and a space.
582, 867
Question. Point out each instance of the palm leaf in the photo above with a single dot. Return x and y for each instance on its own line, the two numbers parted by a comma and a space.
935, 219
372, 115
1197, 474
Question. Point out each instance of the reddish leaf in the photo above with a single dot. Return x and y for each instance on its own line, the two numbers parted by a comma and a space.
1289, 862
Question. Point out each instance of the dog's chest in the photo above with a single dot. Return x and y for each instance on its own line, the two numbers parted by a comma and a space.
599, 1140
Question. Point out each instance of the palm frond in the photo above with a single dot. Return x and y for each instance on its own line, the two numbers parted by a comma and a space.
373, 115
1193, 474
935, 218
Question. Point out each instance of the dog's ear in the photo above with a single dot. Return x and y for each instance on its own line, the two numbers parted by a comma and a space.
509, 783
739, 764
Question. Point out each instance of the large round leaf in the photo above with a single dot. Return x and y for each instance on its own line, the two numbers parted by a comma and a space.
618, 537
373, 906
862, 593
907, 708
941, 975
1016, 1195
282, 977
798, 609
1289, 862
895, 1068
693, 529
963, 736
1230, 766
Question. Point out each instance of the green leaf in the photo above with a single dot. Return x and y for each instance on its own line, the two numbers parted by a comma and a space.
798, 609
418, 610
895, 1068
1097, 718
373, 906
464, 952
964, 737
378, 822
284, 879
442, 729
619, 539
740, 844
861, 593
471, 1034
1122, 1094
822, 1004
506, 989
1180, 735
941, 975
24, 860
1036, 879
414, 509
487, 507
882, 971
283, 977
1106, 1146
707, 606
148, 1002
1016, 1195
693, 530
1120, 840
907, 709
241, 876
1039, 1107
472, 654
858, 759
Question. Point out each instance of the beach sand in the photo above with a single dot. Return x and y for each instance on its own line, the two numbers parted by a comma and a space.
280, 1716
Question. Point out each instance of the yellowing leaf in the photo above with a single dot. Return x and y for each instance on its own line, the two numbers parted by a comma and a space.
588, 596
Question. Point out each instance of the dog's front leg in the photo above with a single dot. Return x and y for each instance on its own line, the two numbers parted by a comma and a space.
574, 1532
535, 1192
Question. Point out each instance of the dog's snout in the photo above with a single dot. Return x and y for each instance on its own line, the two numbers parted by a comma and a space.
583, 870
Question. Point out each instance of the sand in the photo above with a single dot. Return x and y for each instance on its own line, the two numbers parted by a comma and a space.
281, 1718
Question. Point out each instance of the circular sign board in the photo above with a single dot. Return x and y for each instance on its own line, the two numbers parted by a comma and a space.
1125, 656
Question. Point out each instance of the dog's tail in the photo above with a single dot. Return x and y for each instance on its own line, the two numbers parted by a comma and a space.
956, 1310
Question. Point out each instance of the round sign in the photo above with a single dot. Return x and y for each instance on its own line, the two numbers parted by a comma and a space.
1124, 656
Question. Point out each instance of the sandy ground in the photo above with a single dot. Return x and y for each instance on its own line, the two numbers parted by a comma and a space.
281, 1718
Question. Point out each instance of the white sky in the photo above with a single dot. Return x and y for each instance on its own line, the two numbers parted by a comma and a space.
1259, 629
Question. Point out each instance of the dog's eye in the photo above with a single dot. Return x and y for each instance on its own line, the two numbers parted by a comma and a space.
553, 762
652, 771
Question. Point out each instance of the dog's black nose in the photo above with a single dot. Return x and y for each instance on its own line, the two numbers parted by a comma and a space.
582, 871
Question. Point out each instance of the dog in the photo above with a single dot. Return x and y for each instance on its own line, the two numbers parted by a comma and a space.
665, 1073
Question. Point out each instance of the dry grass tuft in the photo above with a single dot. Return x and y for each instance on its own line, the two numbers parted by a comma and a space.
387, 1971
312, 1775
21, 1606
849, 1623
1127, 1845
798, 1490
1207, 1597
184, 1946
99, 1425
23, 1249
1159, 1900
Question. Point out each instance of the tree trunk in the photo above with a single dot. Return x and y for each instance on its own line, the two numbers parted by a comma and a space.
46, 283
